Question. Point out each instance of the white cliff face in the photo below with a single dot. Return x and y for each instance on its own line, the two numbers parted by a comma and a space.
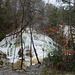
66, 31
11, 46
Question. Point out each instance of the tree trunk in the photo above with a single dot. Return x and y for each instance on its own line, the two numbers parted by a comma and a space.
34, 47
22, 50
30, 53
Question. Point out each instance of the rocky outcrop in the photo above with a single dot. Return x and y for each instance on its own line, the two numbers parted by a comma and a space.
3, 59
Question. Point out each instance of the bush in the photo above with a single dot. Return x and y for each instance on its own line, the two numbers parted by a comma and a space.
56, 58
1, 62
45, 71
67, 64
20, 53
73, 65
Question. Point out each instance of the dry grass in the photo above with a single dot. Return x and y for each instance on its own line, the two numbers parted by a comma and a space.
35, 60
26, 63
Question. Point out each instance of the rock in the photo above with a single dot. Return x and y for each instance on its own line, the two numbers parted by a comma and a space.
3, 59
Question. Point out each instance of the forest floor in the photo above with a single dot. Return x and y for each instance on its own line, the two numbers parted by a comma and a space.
34, 70
9, 72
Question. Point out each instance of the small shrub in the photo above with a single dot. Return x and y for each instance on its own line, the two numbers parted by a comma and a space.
73, 65
68, 64
4, 56
56, 58
36, 74
44, 71
20, 53
1, 62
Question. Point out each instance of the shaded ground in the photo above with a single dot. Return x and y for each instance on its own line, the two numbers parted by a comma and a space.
33, 70
9, 72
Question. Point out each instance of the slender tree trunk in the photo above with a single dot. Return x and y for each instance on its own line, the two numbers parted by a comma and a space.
34, 48
30, 53
21, 49
21, 32
30, 48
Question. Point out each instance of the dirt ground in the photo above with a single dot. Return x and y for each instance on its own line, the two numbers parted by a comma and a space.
33, 70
